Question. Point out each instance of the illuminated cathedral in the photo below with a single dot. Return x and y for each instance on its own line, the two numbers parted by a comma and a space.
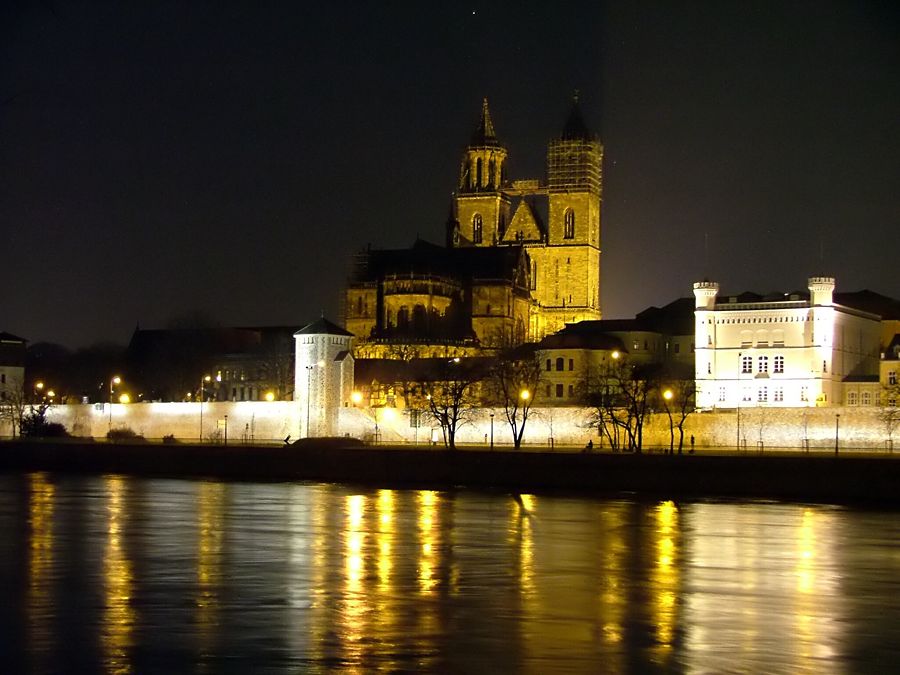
521, 257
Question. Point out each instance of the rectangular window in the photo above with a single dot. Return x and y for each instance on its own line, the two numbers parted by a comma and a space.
892, 377
746, 394
549, 389
571, 364
866, 398
2, 378
778, 394
804, 393
559, 391
762, 394
824, 366
746, 364
721, 394
676, 348
763, 364
778, 365
548, 364
851, 398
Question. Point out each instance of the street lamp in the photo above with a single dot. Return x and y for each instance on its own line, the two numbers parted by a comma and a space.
203, 381
112, 383
837, 428
524, 394
667, 396
492, 431
270, 396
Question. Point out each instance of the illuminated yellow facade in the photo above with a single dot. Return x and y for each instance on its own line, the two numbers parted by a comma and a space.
522, 257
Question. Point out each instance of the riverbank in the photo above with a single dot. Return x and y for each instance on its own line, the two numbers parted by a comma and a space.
815, 478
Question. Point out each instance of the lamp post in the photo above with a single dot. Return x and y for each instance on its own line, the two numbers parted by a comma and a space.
112, 383
203, 381
492, 431
667, 396
837, 428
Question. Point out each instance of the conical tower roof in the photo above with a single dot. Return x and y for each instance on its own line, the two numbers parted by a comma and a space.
575, 128
484, 133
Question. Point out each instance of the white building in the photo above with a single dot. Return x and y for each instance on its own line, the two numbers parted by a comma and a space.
788, 350
323, 376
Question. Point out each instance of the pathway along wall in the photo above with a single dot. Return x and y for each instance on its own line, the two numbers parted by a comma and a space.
258, 421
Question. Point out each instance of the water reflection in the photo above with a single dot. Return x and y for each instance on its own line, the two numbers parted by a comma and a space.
40, 566
118, 614
208, 577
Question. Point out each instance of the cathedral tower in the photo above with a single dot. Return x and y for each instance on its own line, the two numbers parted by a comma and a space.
482, 209
566, 266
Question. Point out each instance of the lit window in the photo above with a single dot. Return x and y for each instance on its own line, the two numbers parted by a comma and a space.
851, 398
763, 364
746, 364
778, 365
569, 229
866, 398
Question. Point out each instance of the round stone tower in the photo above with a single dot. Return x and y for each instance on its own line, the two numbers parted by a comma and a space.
323, 376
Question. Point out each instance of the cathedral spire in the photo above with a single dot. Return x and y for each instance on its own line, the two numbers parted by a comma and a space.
484, 134
575, 128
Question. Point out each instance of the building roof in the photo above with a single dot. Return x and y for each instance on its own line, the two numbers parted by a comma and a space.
9, 337
863, 300
425, 259
322, 326
676, 318
484, 134
575, 128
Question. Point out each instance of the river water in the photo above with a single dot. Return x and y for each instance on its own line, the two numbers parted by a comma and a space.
123, 575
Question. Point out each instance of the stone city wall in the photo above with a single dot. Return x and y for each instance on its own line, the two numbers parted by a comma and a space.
260, 421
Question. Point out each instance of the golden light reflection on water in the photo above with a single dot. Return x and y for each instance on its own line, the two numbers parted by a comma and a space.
211, 497
354, 628
429, 535
385, 539
665, 577
118, 613
779, 564
40, 561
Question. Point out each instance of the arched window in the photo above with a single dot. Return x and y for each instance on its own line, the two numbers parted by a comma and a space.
478, 174
477, 227
560, 363
569, 222
533, 274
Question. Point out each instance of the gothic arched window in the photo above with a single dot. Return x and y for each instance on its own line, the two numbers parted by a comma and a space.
477, 228
569, 222
478, 174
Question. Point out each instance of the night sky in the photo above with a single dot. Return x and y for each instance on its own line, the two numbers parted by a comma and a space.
159, 159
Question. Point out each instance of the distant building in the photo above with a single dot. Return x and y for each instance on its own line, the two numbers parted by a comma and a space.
658, 336
805, 348
12, 366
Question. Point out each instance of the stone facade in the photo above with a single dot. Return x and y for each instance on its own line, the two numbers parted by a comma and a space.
323, 380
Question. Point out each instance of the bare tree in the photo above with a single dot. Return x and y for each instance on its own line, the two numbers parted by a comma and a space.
678, 401
618, 396
513, 384
12, 404
450, 397
890, 413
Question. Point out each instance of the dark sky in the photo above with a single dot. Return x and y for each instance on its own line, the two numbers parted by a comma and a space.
162, 158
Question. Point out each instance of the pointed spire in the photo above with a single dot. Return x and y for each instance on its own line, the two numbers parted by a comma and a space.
575, 128
484, 133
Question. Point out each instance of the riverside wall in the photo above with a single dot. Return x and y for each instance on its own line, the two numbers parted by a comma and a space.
262, 422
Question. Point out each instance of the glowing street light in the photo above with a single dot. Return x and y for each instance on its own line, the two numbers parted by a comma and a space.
356, 397
203, 381
124, 398
667, 396
112, 383
524, 394
270, 396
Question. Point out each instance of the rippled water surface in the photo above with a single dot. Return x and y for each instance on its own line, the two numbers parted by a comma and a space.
121, 575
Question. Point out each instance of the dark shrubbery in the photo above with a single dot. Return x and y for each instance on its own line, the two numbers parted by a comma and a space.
35, 425
169, 439
123, 434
